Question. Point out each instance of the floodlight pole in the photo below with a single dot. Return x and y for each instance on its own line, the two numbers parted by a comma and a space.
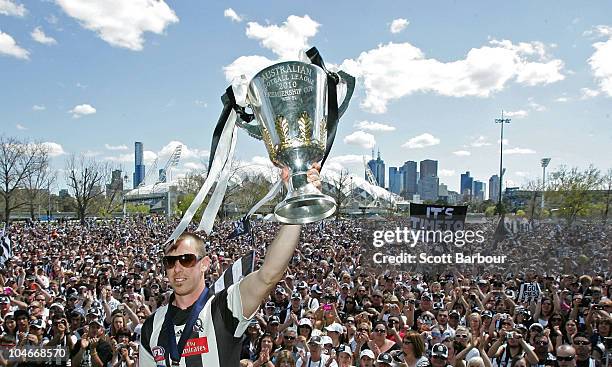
501, 121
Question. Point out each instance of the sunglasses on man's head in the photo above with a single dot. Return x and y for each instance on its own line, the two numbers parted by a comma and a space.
186, 260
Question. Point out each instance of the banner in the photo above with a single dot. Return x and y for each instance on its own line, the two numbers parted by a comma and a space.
437, 217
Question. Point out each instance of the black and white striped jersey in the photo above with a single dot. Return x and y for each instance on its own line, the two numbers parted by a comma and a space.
215, 340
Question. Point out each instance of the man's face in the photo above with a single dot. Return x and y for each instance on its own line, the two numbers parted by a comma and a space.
186, 279
289, 338
366, 361
541, 345
315, 350
566, 357
442, 317
583, 347
438, 361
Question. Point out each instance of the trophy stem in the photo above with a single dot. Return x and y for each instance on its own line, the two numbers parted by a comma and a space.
304, 203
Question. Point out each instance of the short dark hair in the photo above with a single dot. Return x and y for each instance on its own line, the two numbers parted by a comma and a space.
201, 251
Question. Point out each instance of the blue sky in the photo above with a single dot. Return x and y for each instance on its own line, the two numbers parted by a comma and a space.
93, 77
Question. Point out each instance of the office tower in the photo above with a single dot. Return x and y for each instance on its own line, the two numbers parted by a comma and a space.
467, 183
395, 180
428, 168
494, 188
377, 166
139, 168
409, 178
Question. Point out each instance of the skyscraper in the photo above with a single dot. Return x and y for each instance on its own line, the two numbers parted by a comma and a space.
409, 178
494, 188
428, 188
395, 180
377, 166
478, 191
467, 183
429, 168
139, 168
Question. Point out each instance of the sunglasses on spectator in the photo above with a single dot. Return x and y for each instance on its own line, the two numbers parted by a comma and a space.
363, 330
186, 260
582, 342
556, 319
565, 358
289, 337
541, 343
461, 336
380, 331
407, 342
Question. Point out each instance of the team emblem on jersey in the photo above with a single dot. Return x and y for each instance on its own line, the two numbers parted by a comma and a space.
159, 355
195, 346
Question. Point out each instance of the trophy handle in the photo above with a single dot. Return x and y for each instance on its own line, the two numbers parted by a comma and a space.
349, 80
252, 128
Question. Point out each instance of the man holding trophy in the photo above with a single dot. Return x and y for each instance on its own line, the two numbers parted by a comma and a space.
296, 108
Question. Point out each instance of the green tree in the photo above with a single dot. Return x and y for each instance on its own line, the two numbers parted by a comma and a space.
571, 191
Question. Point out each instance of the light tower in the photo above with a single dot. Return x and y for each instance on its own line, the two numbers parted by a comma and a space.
545, 162
501, 121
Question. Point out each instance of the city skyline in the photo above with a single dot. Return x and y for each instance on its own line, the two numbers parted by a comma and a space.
430, 83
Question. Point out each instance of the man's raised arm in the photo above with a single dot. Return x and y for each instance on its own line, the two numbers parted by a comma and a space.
257, 285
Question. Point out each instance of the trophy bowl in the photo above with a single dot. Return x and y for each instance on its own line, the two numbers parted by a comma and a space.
289, 101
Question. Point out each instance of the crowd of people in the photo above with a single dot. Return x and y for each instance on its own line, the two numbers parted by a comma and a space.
87, 288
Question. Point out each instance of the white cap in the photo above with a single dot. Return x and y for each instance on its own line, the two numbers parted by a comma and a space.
305, 321
366, 352
335, 327
326, 340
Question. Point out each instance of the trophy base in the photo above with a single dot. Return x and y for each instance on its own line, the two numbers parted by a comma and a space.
305, 208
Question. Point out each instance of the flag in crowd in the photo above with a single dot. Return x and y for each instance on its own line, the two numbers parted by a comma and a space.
6, 249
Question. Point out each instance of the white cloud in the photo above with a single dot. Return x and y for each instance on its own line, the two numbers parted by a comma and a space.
247, 66
115, 147
9, 47
562, 99
55, 149
286, 40
421, 141
230, 13
601, 61
398, 25
194, 166
20, 127
201, 103
374, 126
121, 23
392, 71
516, 114
462, 153
446, 173
39, 36
521, 173
586, 93
506, 141
186, 152
535, 106
481, 141
122, 158
149, 156
82, 110
361, 139
340, 162
8, 7
38, 107
519, 151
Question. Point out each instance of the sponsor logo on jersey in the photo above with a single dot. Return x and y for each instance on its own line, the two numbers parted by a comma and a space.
195, 346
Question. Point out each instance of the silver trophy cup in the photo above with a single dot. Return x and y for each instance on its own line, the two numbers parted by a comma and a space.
289, 101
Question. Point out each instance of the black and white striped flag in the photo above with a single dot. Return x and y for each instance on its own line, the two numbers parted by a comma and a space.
240, 269
6, 249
